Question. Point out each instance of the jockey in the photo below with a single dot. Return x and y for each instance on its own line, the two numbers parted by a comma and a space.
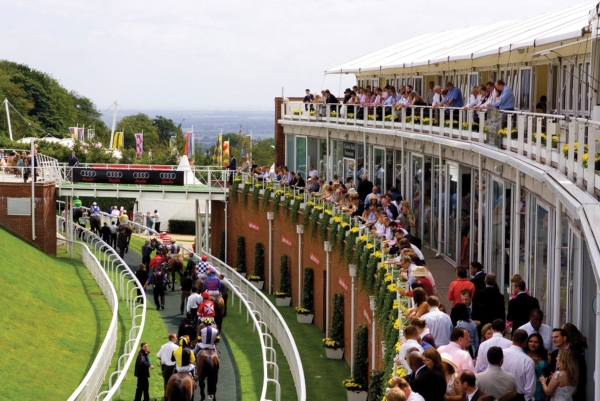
208, 336
173, 247
202, 267
212, 283
76, 202
94, 210
206, 310
183, 357
164, 237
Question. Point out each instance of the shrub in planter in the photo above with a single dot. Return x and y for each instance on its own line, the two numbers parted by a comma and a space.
222, 247
285, 285
182, 227
259, 262
361, 361
307, 293
337, 324
245, 191
377, 385
234, 189
240, 254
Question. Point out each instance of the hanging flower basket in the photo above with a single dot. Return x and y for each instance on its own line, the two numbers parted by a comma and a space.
357, 395
285, 301
334, 353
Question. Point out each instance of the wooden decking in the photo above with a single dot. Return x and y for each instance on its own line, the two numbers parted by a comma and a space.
443, 273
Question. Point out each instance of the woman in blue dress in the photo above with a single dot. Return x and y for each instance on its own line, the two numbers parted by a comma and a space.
536, 351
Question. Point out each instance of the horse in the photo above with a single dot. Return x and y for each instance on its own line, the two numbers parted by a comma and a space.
95, 224
219, 310
207, 367
180, 387
129, 232
174, 261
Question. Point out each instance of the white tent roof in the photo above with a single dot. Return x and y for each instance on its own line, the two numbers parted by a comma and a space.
473, 42
190, 177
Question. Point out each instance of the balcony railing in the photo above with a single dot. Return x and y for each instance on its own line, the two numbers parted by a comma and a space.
548, 140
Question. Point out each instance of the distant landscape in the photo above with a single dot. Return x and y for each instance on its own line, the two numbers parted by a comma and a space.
208, 124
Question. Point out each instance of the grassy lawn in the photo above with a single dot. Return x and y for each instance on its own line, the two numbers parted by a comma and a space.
323, 376
54, 321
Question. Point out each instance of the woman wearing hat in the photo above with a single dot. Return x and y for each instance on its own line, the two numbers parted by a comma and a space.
420, 275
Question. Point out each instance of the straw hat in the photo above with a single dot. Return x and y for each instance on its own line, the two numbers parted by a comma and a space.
352, 191
418, 271
448, 359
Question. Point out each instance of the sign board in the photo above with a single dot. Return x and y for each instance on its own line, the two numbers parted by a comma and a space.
18, 206
343, 283
494, 124
137, 177
367, 315
286, 240
315, 258
350, 150
253, 226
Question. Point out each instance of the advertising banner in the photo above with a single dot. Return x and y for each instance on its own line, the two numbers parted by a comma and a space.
137, 177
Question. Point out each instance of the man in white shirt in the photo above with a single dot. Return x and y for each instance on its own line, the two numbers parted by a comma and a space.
439, 323
497, 340
459, 341
164, 355
535, 325
156, 218
313, 172
494, 381
194, 301
430, 93
520, 365
411, 334
437, 97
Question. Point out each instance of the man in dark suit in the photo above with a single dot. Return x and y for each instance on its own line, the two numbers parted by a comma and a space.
476, 310
466, 383
142, 372
560, 341
520, 307
430, 384
479, 276
389, 208
364, 187
492, 301
232, 168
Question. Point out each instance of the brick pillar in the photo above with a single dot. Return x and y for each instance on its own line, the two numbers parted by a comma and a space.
279, 135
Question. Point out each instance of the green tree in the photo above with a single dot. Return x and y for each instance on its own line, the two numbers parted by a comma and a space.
263, 152
136, 124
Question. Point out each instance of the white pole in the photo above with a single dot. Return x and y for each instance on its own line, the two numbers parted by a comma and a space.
327, 245
114, 122
206, 245
439, 213
8, 119
352, 274
557, 259
299, 230
32, 189
225, 231
372, 305
597, 351
270, 217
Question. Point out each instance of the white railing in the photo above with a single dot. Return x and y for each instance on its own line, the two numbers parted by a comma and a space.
127, 286
518, 129
91, 383
266, 318
47, 169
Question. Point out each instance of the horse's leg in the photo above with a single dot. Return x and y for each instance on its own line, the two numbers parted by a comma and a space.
201, 384
213, 378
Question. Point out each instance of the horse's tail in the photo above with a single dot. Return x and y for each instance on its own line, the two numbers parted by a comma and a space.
180, 389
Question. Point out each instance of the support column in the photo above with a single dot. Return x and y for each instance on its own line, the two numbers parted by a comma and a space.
328, 247
480, 214
206, 241
557, 248
516, 224
353, 275
440, 206
270, 217
597, 350
300, 231
372, 305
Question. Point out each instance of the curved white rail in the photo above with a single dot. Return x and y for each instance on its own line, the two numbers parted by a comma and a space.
127, 285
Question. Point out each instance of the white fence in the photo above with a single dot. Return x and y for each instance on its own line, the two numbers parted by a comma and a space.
91, 383
266, 319
127, 286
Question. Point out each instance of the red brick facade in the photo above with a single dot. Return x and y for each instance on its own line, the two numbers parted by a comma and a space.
253, 225
45, 214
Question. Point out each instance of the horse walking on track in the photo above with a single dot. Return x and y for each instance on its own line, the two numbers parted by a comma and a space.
180, 387
207, 368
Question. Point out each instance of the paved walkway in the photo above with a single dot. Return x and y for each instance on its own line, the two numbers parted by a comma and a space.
226, 388
443, 273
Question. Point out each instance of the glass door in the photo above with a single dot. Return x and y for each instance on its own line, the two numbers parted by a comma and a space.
433, 211
450, 215
415, 199
426, 221
496, 227
301, 155
465, 223
541, 252
379, 169
349, 170
570, 271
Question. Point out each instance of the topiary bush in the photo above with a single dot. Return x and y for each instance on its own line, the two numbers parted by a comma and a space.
361, 357
259, 261
182, 227
222, 247
240, 254
285, 282
337, 320
308, 290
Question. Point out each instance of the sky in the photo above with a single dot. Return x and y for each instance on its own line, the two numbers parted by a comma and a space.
221, 55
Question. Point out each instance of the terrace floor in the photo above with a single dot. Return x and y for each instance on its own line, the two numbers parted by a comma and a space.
443, 273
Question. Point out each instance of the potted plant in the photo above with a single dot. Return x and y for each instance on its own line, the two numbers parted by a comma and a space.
258, 276
357, 385
284, 295
305, 312
334, 346
240, 253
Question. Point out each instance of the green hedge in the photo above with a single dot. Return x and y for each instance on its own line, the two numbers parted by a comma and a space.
182, 227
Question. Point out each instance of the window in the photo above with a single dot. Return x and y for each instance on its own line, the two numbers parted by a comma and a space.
525, 90
563, 103
473, 80
418, 86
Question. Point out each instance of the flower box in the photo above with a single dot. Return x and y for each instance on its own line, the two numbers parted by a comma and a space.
305, 319
320, 215
258, 284
357, 395
261, 191
286, 301
302, 205
283, 198
334, 353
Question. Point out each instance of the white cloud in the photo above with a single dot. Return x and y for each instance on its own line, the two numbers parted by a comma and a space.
219, 55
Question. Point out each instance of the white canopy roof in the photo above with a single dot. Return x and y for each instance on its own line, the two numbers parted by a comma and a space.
473, 42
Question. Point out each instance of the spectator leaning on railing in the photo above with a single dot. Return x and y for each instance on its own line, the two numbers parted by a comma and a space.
507, 98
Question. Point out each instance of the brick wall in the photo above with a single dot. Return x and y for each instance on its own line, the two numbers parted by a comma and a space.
253, 225
45, 214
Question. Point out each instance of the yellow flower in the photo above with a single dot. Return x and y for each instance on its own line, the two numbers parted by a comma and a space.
377, 254
392, 287
354, 229
370, 246
344, 225
387, 277
363, 238
397, 324
299, 197
337, 219
329, 212
319, 207
397, 346
382, 264
395, 305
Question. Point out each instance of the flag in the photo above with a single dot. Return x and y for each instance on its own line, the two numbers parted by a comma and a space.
118, 140
226, 153
90, 133
72, 131
220, 150
191, 144
81, 134
139, 144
